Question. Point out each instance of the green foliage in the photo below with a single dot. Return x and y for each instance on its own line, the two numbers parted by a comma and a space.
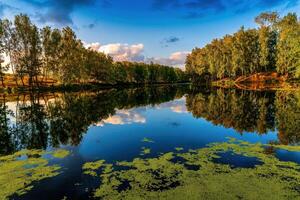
288, 60
58, 54
275, 45
162, 178
141, 73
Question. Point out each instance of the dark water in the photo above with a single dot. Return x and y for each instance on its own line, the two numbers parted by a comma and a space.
111, 124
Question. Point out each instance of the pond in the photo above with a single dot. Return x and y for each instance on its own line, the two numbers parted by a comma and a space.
162, 142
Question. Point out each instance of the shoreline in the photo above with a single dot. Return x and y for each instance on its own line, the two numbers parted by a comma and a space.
81, 87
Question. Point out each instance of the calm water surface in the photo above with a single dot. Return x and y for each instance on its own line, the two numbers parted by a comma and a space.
112, 124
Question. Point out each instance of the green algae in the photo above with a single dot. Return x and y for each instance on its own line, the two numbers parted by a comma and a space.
162, 178
178, 148
20, 170
145, 151
287, 147
60, 153
90, 168
148, 140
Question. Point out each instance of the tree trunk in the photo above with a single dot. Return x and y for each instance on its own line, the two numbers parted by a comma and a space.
22, 81
37, 81
2, 80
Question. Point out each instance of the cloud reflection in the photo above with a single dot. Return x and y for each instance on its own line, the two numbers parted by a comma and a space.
177, 106
124, 117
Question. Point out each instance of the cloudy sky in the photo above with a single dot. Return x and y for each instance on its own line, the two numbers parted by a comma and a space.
162, 31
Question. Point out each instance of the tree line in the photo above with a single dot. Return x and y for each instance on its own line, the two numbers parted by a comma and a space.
38, 54
273, 46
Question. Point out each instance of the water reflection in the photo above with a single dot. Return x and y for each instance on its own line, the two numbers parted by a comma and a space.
249, 111
39, 121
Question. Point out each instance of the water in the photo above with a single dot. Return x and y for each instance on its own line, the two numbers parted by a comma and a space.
116, 124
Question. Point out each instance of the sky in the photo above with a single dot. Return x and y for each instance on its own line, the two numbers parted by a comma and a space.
162, 31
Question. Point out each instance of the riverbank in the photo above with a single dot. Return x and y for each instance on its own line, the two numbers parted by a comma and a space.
259, 81
11, 86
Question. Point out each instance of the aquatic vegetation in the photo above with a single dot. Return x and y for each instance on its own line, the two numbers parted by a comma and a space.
163, 177
178, 148
287, 147
147, 140
60, 153
145, 151
90, 167
20, 170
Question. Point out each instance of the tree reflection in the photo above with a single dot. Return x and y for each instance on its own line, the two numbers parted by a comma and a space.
288, 116
250, 111
36, 120
6, 140
42, 120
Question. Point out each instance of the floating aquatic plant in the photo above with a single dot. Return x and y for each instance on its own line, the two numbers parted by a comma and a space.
145, 151
178, 148
20, 170
147, 140
162, 178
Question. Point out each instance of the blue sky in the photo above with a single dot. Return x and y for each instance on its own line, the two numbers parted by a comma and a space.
162, 31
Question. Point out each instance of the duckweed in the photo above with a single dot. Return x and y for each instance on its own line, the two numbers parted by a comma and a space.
91, 167
147, 140
20, 170
178, 148
145, 151
60, 153
161, 178
287, 147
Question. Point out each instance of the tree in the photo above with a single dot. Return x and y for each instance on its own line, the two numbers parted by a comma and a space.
289, 46
275, 44
245, 50
2, 50
36, 54
27, 49
51, 47
69, 70
267, 39
9, 43
99, 67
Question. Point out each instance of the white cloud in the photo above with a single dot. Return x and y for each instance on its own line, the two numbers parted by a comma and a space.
179, 109
134, 52
120, 52
6, 61
95, 46
123, 117
176, 59
177, 106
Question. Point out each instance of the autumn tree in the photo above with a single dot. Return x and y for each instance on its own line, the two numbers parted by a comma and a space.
288, 59
267, 39
27, 49
2, 50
